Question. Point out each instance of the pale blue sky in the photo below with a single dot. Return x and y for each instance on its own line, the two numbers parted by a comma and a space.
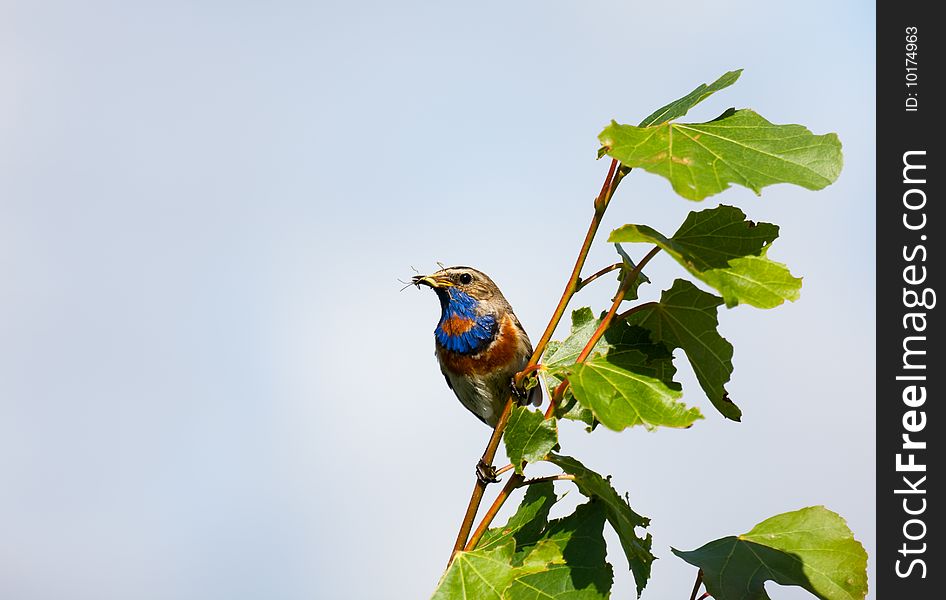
210, 384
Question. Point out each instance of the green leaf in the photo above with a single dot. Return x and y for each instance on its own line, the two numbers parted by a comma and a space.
619, 514
568, 563
478, 575
529, 436
812, 548
561, 354
530, 557
584, 323
623, 389
680, 107
709, 238
628, 379
628, 266
739, 147
727, 251
754, 280
685, 318
526, 526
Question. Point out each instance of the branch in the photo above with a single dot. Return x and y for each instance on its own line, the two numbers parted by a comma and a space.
611, 181
629, 279
696, 586
504, 469
601, 204
635, 309
585, 281
560, 477
515, 480
479, 487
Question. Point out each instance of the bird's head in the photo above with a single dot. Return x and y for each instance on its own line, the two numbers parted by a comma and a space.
471, 307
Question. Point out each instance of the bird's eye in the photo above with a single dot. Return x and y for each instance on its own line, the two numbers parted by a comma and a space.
466, 278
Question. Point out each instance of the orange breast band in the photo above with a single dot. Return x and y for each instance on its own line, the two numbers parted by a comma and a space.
497, 355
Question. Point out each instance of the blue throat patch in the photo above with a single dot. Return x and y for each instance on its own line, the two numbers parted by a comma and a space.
458, 306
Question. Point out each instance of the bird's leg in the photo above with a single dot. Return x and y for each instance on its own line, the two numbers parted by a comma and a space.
522, 397
486, 474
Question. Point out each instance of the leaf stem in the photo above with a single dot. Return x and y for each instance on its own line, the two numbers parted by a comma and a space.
603, 326
556, 398
560, 477
514, 481
479, 488
508, 467
611, 181
696, 586
629, 279
585, 281
635, 309
601, 204
526, 371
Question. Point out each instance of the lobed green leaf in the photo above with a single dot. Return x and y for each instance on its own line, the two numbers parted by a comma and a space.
622, 390
812, 548
526, 526
728, 252
627, 267
739, 146
559, 355
619, 514
478, 575
529, 436
530, 557
686, 318
568, 562
627, 381
681, 106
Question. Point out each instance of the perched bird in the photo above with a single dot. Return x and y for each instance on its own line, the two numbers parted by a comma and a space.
479, 342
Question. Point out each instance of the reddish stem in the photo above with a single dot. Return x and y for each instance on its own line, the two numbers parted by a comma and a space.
526, 371
629, 279
585, 281
696, 585
601, 203
603, 326
514, 481
479, 487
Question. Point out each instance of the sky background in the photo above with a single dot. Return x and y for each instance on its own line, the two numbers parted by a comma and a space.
211, 385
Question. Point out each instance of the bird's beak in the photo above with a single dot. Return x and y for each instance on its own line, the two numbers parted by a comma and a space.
431, 280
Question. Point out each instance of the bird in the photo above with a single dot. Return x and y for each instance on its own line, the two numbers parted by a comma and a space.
479, 343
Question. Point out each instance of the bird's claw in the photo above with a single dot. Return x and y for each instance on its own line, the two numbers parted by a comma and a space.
522, 397
486, 474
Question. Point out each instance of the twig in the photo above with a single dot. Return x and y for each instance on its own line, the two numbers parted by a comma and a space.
556, 398
601, 204
560, 477
514, 481
633, 310
629, 279
614, 177
603, 326
504, 469
586, 280
479, 488
696, 586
